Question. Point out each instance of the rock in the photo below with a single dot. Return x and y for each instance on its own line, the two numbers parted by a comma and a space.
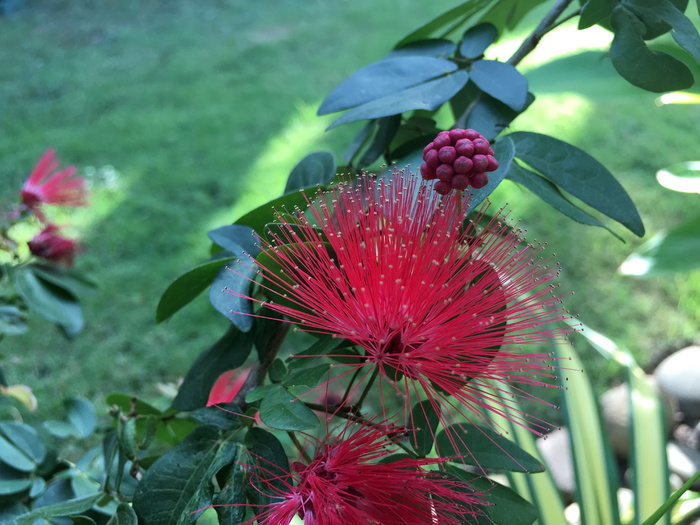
683, 461
679, 376
555, 448
614, 405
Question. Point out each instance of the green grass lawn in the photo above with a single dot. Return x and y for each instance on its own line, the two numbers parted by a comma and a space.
184, 115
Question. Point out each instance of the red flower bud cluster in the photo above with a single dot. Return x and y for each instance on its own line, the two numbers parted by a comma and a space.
458, 158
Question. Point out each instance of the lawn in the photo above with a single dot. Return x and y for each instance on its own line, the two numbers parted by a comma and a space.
183, 115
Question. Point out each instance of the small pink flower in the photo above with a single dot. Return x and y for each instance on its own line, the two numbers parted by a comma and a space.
49, 245
439, 308
351, 481
45, 185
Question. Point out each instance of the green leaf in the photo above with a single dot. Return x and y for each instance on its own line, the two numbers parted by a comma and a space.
684, 32
576, 172
386, 131
64, 508
429, 95
260, 216
683, 177
49, 301
282, 411
230, 502
507, 14
127, 403
424, 422
322, 347
476, 39
224, 415
503, 150
235, 306
306, 377
12, 320
672, 251
482, 447
316, 168
434, 47
236, 239
260, 392
269, 454
125, 515
594, 467
14, 457
187, 287
81, 414
506, 507
25, 439
502, 81
70, 280
549, 193
671, 501
13, 481
227, 353
180, 482
594, 11
489, 116
461, 14
60, 429
384, 78
635, 62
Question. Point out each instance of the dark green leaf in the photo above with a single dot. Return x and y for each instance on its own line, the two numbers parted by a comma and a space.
37, 489
484, 448
70, 280
14, 457
81, 414
227, 353
50, 302
386, 130
267, 330
684, 32
358, 142
384, 78
549, 193
635, 62
461, 13
260, 392
579, 174
224, 415
430, 95
269, 454
13, 481
9, 513
594, 11
125, 515
25, 439
307, 377
230, 290
230, 502
188, 286
424, 422
434, 47
506, 507
280, 410
60, 429
502, 81
12, 320
503, 150
489, 116
82, 520
64, 508
236, 239
277, 371
506, 14
316, 168
126, 431
476, 39
260, 216
180, 482
672, 251
323, 346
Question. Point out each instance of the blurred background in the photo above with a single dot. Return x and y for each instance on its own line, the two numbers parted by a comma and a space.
183, 115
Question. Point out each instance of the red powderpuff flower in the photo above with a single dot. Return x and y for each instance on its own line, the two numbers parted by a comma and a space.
45, 185
49, 245
440, 309
350, 482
